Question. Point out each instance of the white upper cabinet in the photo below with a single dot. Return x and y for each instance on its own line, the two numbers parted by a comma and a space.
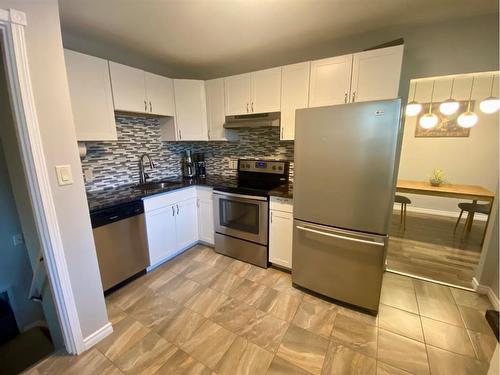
129, 89
238, 93
137, 91
190, 110
91, 97
256, 92
266, 91
216, 117
160, 95
376, 74
294, 95
330, 81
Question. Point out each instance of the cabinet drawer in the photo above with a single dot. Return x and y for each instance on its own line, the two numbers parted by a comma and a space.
281, 204
161, 200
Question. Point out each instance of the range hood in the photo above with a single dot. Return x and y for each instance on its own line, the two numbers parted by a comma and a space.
259, 120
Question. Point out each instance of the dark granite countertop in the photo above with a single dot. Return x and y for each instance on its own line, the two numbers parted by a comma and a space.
284, 191
107, 198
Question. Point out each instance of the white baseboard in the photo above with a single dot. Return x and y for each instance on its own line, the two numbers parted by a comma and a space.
97, 336
483, 289
430, 211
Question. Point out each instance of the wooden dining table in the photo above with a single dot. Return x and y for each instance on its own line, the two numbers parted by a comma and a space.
468, 192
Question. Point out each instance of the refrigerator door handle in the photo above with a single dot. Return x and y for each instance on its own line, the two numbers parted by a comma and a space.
339, 236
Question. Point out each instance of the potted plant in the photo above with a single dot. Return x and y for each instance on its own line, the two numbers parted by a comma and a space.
437, 178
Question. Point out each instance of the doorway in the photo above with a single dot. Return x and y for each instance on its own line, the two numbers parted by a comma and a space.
447, 181
29, 325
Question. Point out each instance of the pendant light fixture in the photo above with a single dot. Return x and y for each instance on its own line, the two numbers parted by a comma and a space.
429, 120
491, 104
468, 119
449, 106
413, 108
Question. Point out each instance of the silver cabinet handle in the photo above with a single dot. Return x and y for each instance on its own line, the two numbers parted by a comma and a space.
339, 236
173, 211
271, 216
345, 97
145, 106
281, 132
208, 133
177, 209
247, 107
252, 107
353, 96
150, 107
180, 134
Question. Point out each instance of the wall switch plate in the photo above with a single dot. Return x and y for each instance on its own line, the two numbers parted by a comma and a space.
64, 175
17, 239
88, 174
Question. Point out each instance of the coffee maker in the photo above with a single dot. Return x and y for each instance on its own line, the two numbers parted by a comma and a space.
199, 162
188, 166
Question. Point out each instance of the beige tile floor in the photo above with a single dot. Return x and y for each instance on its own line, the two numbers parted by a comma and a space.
203, 313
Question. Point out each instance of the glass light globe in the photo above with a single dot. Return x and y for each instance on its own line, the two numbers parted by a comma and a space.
428, 121
467, 119
449, 107
413, 108
490, 105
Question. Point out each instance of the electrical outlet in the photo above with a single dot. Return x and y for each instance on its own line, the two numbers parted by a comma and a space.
17, 239
88, 174
233, 164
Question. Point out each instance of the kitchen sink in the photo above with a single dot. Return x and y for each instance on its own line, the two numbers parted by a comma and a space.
156, 185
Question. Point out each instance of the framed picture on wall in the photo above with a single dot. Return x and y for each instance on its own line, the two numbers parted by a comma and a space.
447, 125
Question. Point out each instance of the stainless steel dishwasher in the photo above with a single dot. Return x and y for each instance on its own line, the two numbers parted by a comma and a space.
121, 242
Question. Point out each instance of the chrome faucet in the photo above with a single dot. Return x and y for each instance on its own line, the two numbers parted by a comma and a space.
143, 176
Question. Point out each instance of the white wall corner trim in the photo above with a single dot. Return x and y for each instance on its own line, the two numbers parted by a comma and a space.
97, 336
484, 289
12, 36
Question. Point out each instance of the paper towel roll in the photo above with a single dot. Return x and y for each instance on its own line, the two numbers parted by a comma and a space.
82, 149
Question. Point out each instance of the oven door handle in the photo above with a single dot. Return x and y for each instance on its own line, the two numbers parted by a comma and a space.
252, 197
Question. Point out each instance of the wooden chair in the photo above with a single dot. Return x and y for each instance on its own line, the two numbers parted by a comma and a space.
471, 209
404, 201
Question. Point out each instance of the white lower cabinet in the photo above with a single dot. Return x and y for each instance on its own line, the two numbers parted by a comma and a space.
171, 223
161, 228
205, 215
281, 232
186, 222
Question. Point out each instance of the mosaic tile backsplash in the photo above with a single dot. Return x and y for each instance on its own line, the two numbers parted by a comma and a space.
117, 163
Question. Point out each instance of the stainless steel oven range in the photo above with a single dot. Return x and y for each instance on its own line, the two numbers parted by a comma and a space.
241, 212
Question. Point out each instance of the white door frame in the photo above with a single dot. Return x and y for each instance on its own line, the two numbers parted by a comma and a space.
12, 24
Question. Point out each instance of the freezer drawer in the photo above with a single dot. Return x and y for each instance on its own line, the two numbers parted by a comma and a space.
345, 265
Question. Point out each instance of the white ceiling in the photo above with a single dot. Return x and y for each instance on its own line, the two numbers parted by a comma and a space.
202, 35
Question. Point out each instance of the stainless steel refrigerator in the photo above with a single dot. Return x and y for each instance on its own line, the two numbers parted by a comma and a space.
346, 162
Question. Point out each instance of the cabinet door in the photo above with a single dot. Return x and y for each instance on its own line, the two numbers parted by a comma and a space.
376, 74
161, 230
186, 222
91, 97
280, 238
238, 93
215, 109
294, 95
330, 81
190, 110
129, 90
160, 94
266, 91
206, 220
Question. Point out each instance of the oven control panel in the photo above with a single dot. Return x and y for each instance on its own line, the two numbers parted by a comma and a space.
262, 166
